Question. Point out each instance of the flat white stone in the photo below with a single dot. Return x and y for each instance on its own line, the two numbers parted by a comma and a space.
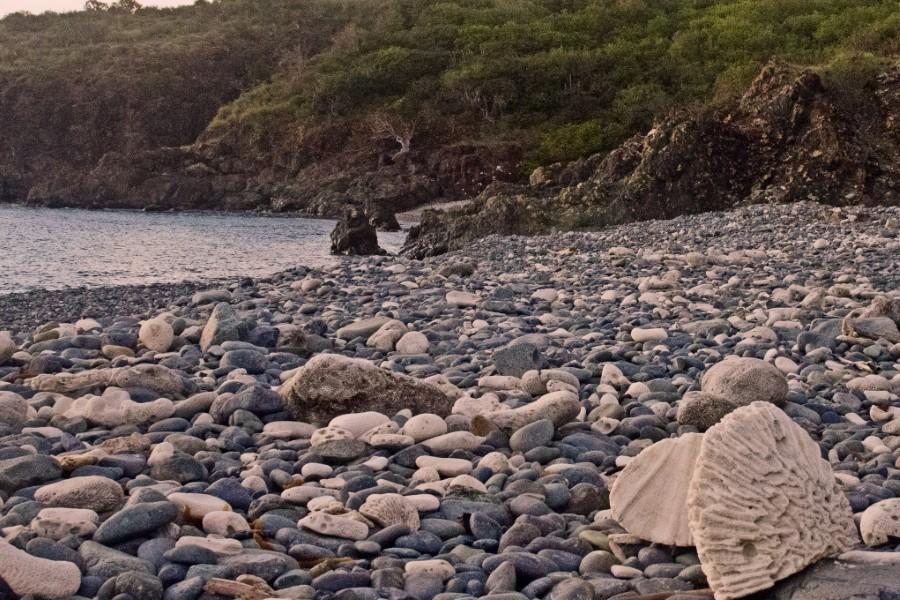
333, 525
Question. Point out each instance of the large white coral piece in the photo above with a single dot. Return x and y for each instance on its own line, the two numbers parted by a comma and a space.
763, 504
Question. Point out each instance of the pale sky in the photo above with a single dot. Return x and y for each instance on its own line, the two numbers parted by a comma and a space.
39, 6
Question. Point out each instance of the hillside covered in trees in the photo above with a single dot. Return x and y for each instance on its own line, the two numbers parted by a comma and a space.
306, 104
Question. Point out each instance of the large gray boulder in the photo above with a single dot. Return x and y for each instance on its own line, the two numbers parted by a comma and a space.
223, 325
745, 380
330, 385
355, 235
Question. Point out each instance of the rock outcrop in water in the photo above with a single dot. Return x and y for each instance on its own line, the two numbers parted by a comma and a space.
787, 139
355, 235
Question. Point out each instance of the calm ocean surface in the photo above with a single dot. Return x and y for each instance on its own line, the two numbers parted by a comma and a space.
60, 248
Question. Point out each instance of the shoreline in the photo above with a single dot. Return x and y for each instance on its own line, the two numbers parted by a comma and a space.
29, 306
406, 217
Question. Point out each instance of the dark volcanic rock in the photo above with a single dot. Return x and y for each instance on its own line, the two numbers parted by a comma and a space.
866, 579
354, 235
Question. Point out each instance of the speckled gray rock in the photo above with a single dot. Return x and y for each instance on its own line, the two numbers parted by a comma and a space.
223, 325
135, 520
744, 380
97, 493
13, 410
23, 471
330, 385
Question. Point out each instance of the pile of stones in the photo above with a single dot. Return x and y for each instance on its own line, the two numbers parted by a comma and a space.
699, 407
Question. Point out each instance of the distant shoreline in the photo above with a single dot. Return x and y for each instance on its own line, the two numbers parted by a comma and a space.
406, 217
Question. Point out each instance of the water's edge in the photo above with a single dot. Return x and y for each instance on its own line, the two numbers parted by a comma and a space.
70, 249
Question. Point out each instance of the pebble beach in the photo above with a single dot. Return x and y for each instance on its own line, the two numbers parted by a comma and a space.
590, 415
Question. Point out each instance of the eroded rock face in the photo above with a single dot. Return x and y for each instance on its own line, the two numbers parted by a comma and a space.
390, 509
158, 378
789, 138
649, 497
115, 408
330, 385
558, 407
763, 504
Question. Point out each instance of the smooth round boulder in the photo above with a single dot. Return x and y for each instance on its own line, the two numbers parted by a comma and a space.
745, 380
156, 335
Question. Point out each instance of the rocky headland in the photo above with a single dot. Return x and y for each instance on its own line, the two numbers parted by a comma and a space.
788, 138
678, 409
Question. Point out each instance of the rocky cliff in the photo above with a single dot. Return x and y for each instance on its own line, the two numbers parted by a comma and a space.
306, 105
791, 136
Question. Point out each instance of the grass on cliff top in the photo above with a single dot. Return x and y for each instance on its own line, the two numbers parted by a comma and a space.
568, 77
565, 78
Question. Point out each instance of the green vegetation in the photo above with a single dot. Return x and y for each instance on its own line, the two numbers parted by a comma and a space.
294, 83
567, 77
